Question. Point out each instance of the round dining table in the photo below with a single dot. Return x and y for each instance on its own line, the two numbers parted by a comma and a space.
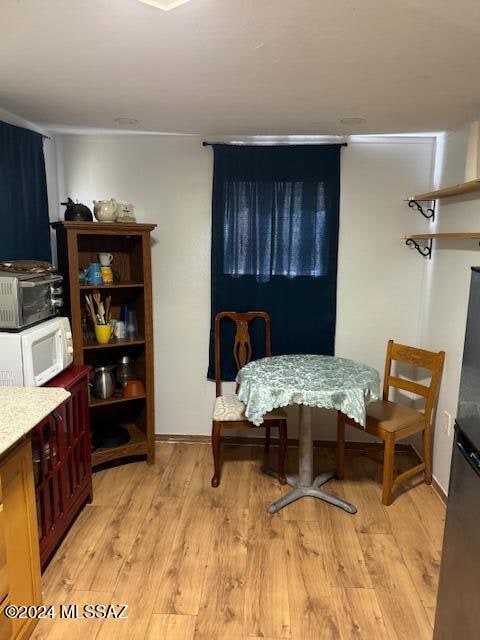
308, 381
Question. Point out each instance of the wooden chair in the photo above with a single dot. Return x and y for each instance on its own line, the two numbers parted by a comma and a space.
392, 421
229, 411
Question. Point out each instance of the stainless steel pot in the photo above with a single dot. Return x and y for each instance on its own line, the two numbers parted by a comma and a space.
104, 382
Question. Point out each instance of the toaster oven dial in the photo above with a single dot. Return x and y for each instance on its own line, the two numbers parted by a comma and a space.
57, 291
58, 302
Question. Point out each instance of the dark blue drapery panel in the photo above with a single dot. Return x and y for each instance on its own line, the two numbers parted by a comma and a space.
275, 223
24, 230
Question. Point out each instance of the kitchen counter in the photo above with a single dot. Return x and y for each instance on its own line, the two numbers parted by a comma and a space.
22, 408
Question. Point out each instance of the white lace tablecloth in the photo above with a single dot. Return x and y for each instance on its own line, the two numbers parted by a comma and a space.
312, 380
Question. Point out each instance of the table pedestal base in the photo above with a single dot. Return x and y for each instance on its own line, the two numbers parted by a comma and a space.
313, 491
304, 484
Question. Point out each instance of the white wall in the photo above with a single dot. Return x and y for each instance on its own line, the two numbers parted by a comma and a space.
168, 178
446, 293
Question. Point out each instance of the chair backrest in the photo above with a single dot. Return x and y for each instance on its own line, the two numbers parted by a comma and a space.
430, 360
242, 347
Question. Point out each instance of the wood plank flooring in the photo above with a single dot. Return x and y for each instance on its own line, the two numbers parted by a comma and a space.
196, 563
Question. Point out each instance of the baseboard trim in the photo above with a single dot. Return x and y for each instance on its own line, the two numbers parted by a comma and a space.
291, 442
439, 491
435, 486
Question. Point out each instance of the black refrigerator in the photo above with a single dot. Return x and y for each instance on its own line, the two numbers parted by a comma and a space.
458, 604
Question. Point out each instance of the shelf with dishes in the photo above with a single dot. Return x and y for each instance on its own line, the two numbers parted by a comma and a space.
110, 303
114, 342
113, 285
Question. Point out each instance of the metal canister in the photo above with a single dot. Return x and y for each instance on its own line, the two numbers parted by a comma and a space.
104, 382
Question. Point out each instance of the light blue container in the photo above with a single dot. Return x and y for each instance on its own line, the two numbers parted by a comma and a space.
94, 273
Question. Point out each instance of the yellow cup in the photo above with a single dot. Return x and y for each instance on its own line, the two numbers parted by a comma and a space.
107, 275
103, 333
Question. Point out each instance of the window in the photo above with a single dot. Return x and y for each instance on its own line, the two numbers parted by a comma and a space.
275, 241
274, 229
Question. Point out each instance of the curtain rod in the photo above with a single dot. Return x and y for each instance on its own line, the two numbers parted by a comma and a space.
206, 143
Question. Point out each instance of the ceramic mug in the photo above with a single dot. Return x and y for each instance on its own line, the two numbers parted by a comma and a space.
103, 333
107, 275
94, 273
106, 259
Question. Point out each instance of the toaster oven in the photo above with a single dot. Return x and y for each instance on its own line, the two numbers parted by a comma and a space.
28, 298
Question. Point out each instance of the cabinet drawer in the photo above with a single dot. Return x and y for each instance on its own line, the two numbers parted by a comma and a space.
3, 559
6, 631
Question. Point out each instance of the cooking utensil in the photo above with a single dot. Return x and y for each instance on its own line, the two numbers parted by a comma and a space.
108, 300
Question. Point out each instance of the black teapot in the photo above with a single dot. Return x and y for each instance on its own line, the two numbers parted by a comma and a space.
77, 212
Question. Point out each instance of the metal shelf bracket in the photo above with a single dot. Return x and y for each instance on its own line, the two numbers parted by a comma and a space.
428, 213
425, 251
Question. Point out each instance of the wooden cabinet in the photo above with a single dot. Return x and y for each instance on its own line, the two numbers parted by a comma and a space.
20, 539
3, 555
78, 245
61, 461
5, 623
6, 632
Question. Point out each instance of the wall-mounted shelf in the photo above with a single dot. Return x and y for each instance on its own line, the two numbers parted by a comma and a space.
456, 190
426, 249
427, 212
441, 236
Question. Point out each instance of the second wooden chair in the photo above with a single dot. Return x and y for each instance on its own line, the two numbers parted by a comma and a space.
392, 421
229, 411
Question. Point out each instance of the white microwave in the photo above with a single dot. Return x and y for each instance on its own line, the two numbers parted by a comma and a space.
32, 357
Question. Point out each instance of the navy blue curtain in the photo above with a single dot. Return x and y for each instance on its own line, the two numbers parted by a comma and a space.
24, 223
275, 216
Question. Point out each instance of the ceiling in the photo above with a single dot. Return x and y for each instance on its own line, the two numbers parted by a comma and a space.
246, 67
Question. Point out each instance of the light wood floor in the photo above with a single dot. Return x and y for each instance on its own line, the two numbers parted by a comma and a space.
199, 563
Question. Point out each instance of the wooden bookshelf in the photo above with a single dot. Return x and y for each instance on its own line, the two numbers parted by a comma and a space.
78, 245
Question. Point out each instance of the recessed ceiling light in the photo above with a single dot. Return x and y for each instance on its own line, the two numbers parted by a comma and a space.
353, 120
127, 123
165, 5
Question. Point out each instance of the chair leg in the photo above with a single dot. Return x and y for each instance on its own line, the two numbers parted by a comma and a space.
216, 430
388, 467
282, 450
427, 455
340, 446
267, 440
